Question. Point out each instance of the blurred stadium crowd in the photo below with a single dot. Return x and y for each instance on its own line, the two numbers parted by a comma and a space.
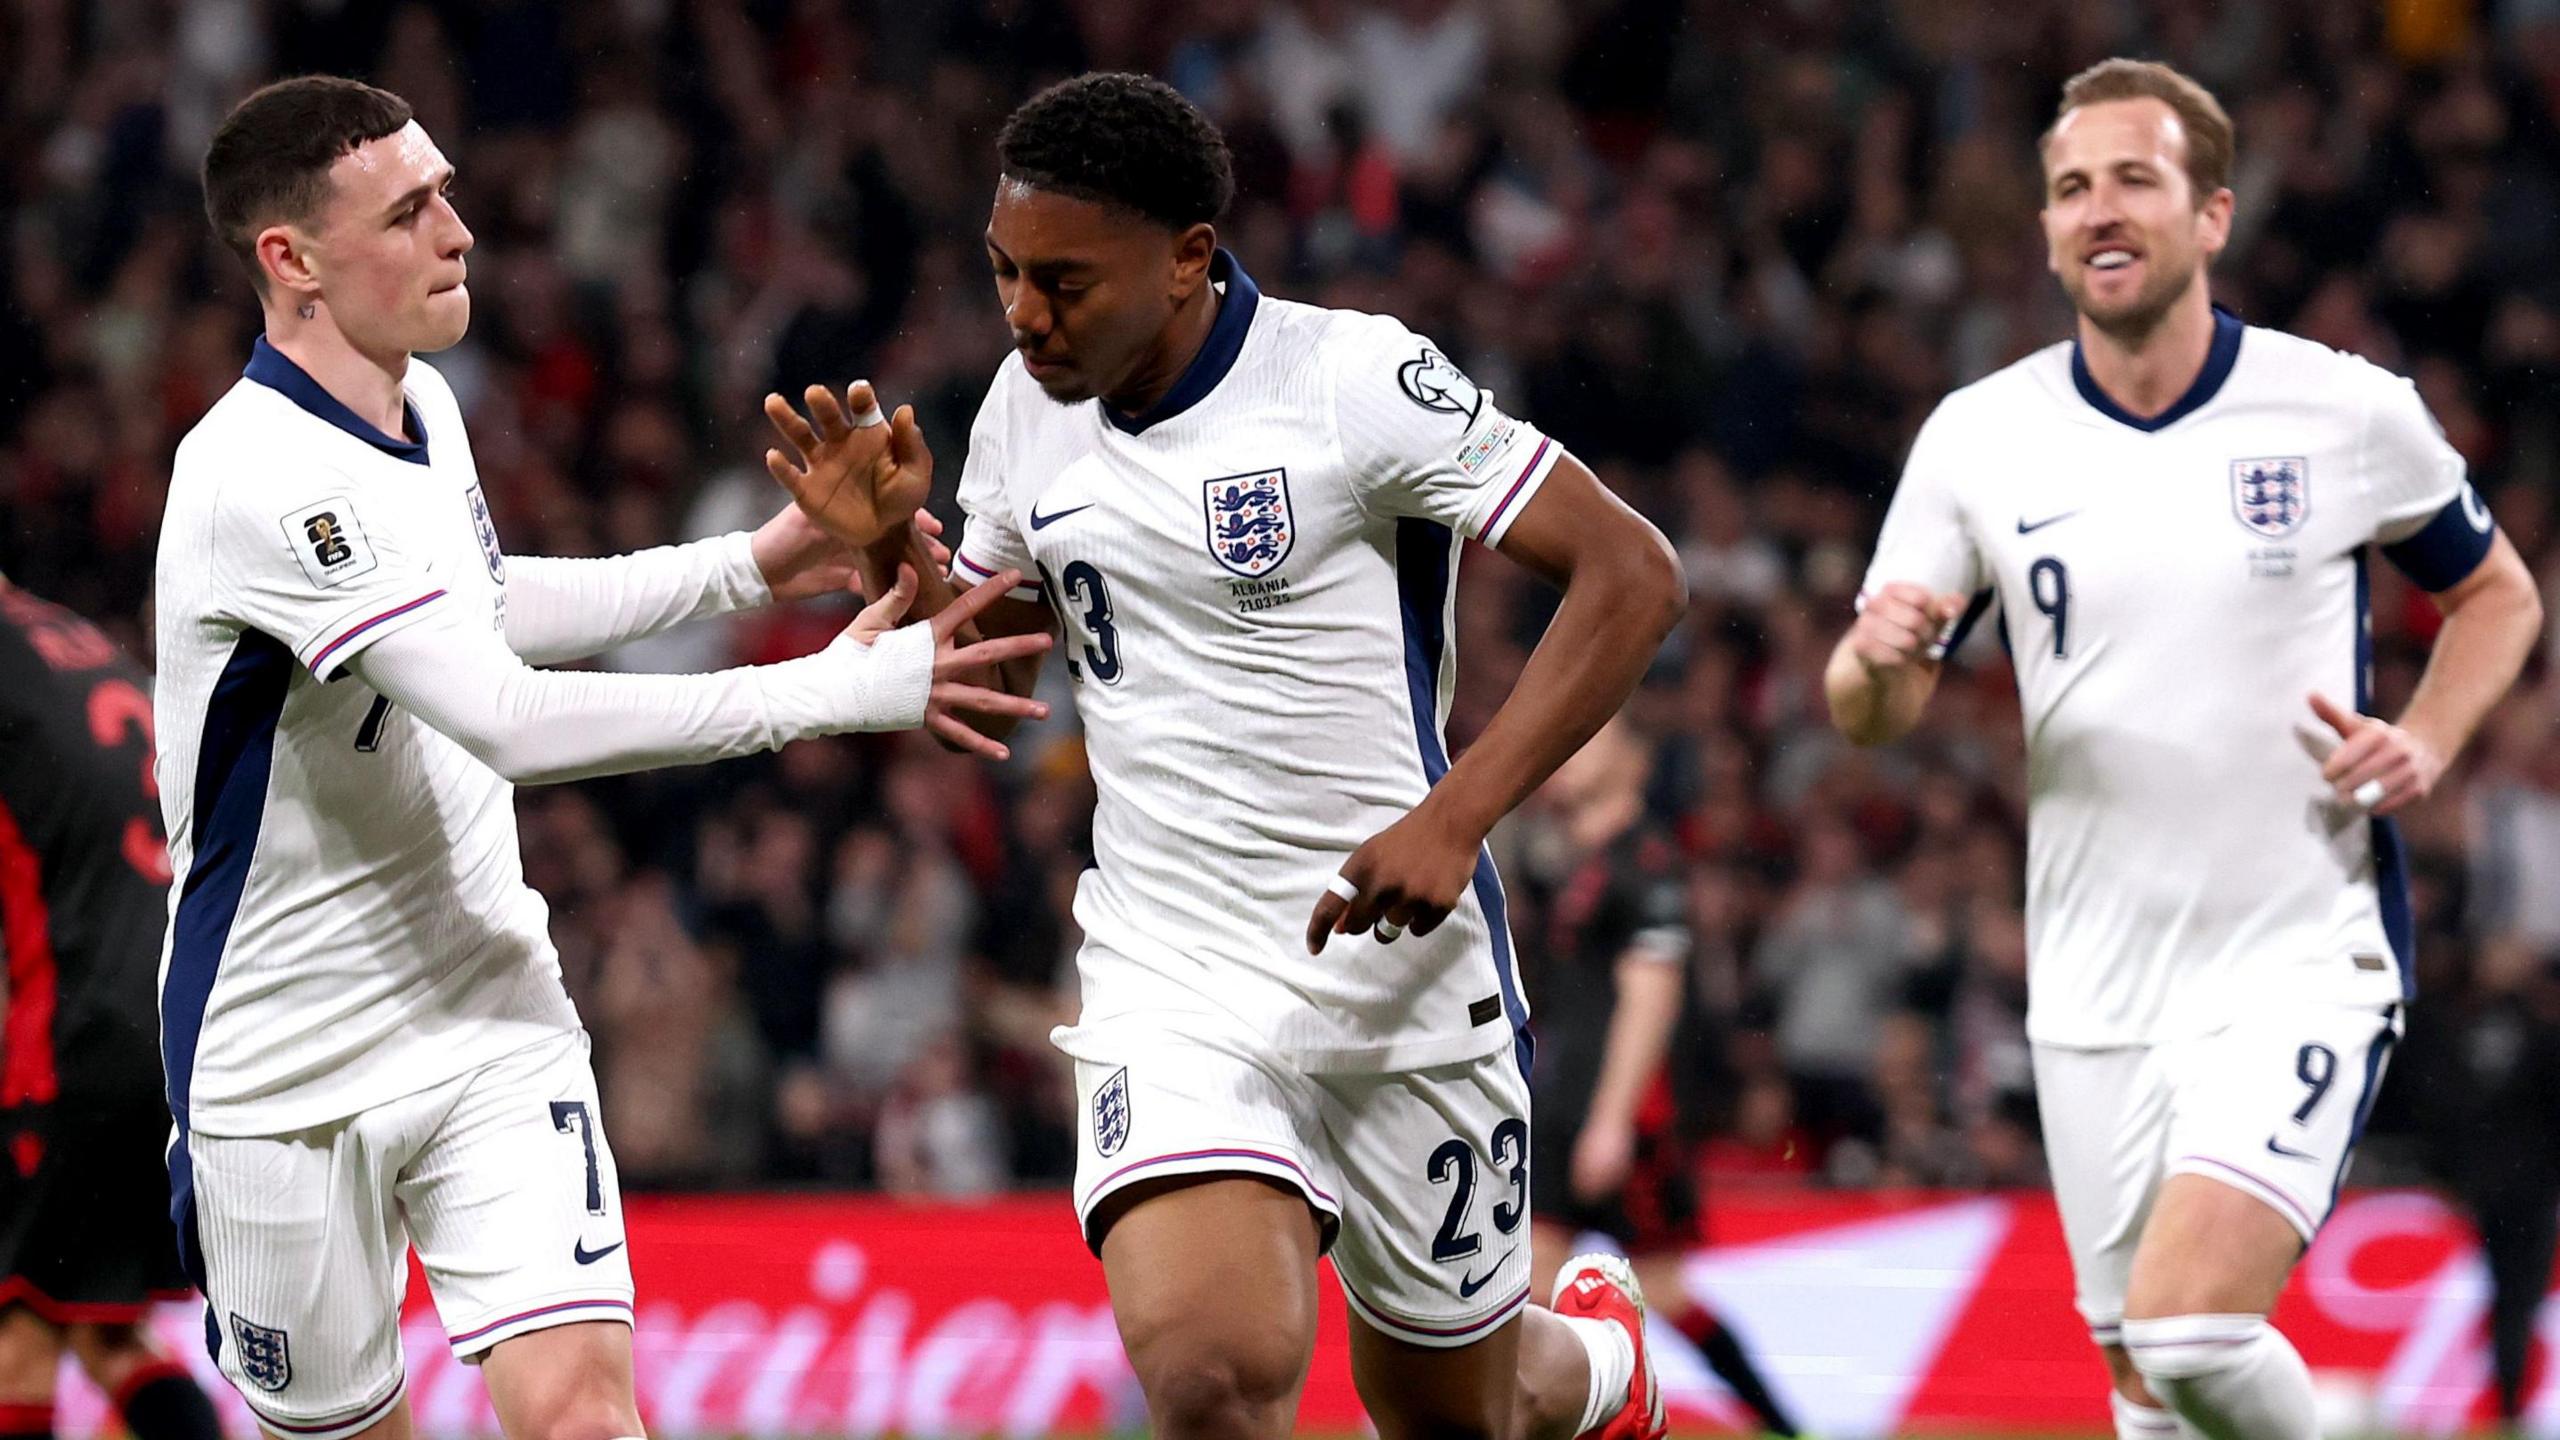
1730, 252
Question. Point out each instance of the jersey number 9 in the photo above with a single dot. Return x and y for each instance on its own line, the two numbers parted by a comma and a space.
2049, 585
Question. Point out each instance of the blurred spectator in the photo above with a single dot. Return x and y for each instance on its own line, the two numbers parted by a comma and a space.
1731, 254
2514, 822
1836, 951
2488, 1071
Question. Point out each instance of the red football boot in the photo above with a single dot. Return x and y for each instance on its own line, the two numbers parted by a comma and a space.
1601, 1286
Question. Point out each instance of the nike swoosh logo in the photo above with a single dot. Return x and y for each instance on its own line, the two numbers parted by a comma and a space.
585, 1256
1468, 1285
1043, 522
2278, 1147
2026, 529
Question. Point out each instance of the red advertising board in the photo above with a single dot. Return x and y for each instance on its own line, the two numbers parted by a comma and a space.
828, 1316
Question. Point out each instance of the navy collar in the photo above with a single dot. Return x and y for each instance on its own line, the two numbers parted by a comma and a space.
1217, 354
270, 367
2218, 360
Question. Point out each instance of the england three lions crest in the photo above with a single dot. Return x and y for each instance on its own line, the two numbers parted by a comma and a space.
265, 1356
488, 533
1111, 1113
1251, 527
2271, 497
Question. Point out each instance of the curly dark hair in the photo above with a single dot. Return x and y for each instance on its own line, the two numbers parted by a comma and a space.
1124, 140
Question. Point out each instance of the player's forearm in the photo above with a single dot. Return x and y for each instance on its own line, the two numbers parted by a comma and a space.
568, 609
1640, 1029
903, 545
1614, 617
2490, 627
1875, 707
541, 726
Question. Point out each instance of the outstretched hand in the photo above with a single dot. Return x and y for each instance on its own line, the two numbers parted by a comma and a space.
952, 660
853, 475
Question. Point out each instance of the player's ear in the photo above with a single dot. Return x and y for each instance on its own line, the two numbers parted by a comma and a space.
284, 253
1193, 249
2214, 221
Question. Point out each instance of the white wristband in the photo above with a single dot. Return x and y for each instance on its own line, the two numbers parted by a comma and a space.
849, 686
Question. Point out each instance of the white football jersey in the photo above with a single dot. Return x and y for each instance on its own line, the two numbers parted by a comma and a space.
1256, 583
349, 921
2172, 591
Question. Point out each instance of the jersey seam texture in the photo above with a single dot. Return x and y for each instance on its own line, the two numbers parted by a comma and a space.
1341, 450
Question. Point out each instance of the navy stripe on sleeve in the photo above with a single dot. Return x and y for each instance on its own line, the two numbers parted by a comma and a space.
2449, 547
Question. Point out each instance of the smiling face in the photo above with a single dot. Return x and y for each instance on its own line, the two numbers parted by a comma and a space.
385, 252
2124, 228
1090, 291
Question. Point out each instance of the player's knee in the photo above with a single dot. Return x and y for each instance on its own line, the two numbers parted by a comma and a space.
2167, 1292
1219, 1390
582, 1406
597, 1417
2175, 1348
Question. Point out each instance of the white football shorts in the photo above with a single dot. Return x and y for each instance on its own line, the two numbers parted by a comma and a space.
2272, 1105
1419, 1177
500, 1177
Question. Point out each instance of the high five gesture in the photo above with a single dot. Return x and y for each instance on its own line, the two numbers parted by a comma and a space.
851, 472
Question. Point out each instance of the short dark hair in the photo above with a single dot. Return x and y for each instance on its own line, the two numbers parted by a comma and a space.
269, 163
1124, 140
2207, 125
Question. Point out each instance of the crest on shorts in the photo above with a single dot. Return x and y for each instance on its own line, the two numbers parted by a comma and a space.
1250, 525
2271, 496
265, 1360
488, 532
1111, 1113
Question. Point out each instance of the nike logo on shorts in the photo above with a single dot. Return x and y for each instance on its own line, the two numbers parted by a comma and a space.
2278, 1147
585, 1256
2026, 529
1468, 1285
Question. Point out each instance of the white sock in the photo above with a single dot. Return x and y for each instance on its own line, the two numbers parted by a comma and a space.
2231, 1377
1613, 1368
2141, 1422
